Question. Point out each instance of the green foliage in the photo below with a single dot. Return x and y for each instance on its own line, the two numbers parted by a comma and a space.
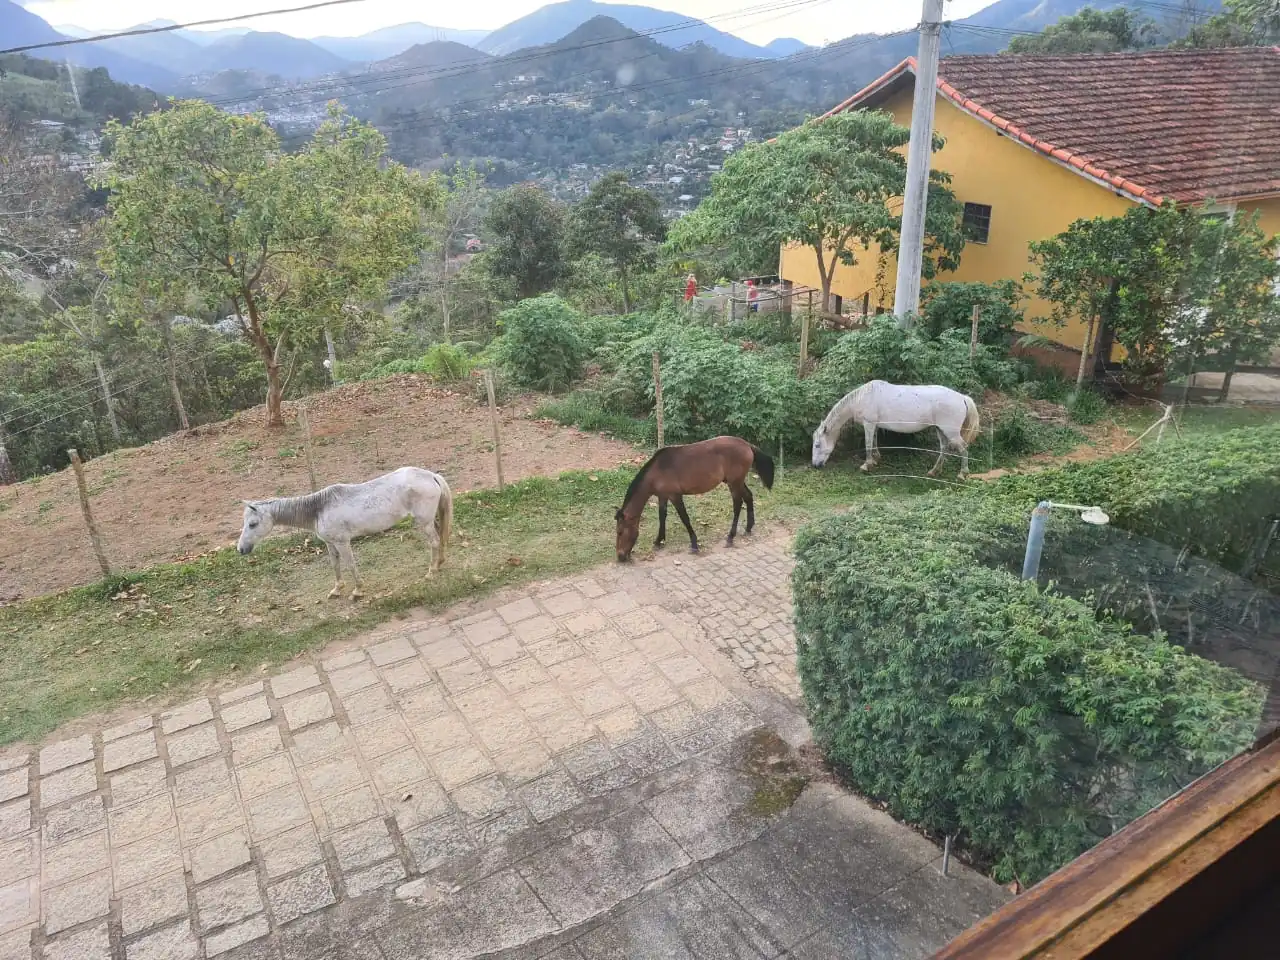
525, 232
832, 186
1209, 495
949, 306
587, 409
973, 703
1092, 31
1086, 406
620, 223
541, 345
204, 202
1242, 23
1173, 283
447, 362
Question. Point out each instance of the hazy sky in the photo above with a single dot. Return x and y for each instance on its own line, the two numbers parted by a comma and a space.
814, 21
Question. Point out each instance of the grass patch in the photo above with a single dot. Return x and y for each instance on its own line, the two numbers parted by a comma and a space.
161, 632
583, 410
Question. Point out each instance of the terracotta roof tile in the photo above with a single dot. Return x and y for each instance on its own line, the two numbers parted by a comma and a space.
1184, 125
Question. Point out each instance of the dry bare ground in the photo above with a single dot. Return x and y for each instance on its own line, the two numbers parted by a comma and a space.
180, 496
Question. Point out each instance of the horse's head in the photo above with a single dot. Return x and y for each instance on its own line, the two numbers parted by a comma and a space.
257, 524
628, 534
823, 444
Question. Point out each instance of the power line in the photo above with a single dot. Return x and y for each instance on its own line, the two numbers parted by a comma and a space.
143, 31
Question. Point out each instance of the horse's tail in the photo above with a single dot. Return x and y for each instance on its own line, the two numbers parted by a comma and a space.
764, 466
972, 422
444, 514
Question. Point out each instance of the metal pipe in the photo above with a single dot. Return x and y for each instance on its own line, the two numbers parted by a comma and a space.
1035, 541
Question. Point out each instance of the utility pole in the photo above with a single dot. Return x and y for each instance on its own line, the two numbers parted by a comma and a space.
906, 301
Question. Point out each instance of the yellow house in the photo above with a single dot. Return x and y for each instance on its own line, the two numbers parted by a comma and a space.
1035, 143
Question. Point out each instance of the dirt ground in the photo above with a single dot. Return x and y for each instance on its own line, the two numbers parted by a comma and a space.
180, 496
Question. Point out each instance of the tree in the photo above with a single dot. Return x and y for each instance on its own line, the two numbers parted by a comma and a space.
463, 195
1230, 311
525, 230
1092, 31
1129, 271
206, 201
830, 186
619, 222
1242, 23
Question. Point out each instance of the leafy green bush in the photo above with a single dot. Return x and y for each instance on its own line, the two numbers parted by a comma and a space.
709, 386
973, 703
1209, 495
447, 361
1086, 406
949, 306
541, 346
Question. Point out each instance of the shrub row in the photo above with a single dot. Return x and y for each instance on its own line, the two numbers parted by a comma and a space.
974, 703
1210, 496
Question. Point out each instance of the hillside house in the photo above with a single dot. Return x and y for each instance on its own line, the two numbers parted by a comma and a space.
1034, 143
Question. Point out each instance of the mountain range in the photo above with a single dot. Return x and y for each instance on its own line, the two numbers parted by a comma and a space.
159, 60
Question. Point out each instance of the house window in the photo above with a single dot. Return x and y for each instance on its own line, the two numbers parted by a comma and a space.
977, 222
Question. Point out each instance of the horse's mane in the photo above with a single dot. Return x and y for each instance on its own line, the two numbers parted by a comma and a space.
837, 414
305, 509
635, 481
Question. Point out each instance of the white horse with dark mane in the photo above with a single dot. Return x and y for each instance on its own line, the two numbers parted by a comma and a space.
902, 409
344, 511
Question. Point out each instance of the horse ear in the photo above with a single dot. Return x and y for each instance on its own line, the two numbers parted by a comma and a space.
251, 505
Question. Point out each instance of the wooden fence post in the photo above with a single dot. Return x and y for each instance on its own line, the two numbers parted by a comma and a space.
805, 321
94, 538
657, 396
973, 332
497, 432
306, 444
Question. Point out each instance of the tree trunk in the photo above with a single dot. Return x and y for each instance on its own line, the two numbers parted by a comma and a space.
444, 310
333, 357
8, 474
1226, 379
626, 292
1084, 350
171, 361
271, 357
105, 386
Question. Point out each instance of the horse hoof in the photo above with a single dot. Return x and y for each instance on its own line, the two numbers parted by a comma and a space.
865, 468
335, 594
356, 595
728, 542
693, 549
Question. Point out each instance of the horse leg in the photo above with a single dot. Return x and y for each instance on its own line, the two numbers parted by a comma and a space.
349, 558
662, 523
737, 512
426, 527
869, 431
336, 560
943, 441
751, 508
964, 457
684, 518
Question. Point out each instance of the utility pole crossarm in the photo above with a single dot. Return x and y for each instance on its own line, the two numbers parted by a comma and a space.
906, 301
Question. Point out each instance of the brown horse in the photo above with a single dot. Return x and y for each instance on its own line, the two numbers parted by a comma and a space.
691, 468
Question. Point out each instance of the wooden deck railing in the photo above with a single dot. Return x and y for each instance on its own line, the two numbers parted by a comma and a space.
1220, 835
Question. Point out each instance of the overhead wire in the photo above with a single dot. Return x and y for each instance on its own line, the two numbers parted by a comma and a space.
169, 28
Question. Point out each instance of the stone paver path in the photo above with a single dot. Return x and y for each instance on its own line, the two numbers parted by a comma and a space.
534, 774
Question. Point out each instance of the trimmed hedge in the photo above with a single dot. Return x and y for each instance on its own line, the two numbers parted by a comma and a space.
1210, 495
974, 703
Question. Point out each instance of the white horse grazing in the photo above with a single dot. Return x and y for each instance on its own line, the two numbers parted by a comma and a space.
902, 409
339, 513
